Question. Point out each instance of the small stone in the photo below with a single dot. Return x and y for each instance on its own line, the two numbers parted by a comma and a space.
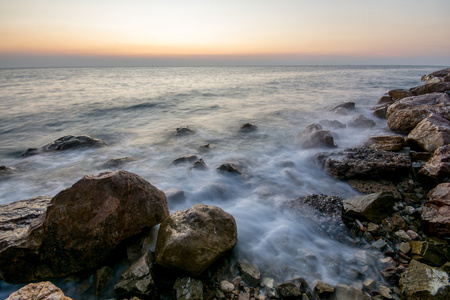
409, 210
401, 234
322, 288
244, 296
188, 288
373, 228
199, 165
405, 247
226, 286
386, 262
270, 286
248, 127
185, 159
289, 290
250, 273
184, 130
412, 234
380, 244
369, 284
385, 292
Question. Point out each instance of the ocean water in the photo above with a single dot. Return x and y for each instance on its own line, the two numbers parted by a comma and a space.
137, 110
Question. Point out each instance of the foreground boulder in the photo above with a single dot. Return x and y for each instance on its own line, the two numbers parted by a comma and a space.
67, 142
82, 226
39, 291
313, 136
193, 239
364, 163
372, 207
436, 74
438, 167
437, 87
431, 133
436, 212
420, 281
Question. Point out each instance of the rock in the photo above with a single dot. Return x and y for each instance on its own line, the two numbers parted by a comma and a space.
193, 239
399, 94
372, 186
226, 286
175, 196
248, 127
83, 225
380, 244
438, 167
249, 272
270, 287
435, 215
102, 279
401, 234
391, 275
332, 124
323, 289
428, 88
184, 130
39, 291
360, 121
405, 120
420, 281
369, 284
67, 142
386, 142
289, 290
199, 165
412, 234
118, 162
233, 168
313, 136
340, 111
185, 159
5, 171
188, 288
345, 292
428, 253
385, 99
380, 111
431, 133
405, 247
364, 163
385, 292
373, 207
440, 74
345, 105
138, 280
394, 223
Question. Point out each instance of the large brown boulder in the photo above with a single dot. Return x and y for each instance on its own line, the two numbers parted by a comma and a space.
193, 239
436, 212
364, 163
438, 167
430, 134
82, 226
439, 74
438, 87
67, 142
39, 291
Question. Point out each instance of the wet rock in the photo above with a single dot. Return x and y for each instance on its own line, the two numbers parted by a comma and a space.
236, 168
401, 234
185, 159
428, 253
193, 239
332, 124
340, 111
385, 292
385, 99
313, 136
420, 281
405, 120
439, 74
289, 290
438, 167
67, 142
431, 133
323, 289
102, 279
119, 161
394, 223
428, 88
386, 142
391, 275
248, 127
39, 291
373, 207
399, 94
205, 147
249, 272
188, 288
199, 165
405, 247
435, 214
226, 286
137, 280
364, 163
5, 171
361, 121
372, 186
345, 292
270, 287
380, 111
346, 105
380, 244
83, 225
175, 196
184, 130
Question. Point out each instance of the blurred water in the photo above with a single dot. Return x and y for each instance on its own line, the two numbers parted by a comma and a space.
136, 111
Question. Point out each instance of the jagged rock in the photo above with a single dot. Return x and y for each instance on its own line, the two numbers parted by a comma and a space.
138, 280
82, 226
419, 282
385, 99
345, 292
313, 136
345, 105
185, 159
199, 165
364, 163
102, 278
188, 288
119, 161
405, 120
373, 207
438, 167
193, 239
435, 214
39, 291
332, 124
440, 74
361, 121
248, 127
289, 290
428, 88
67, 142
175, 196
270, 287
249, 272
386, 142
323, 289
399, 94
372, 186
431, 133
184, 130
235, 167
428, 253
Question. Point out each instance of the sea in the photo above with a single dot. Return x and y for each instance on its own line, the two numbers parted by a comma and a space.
137, 110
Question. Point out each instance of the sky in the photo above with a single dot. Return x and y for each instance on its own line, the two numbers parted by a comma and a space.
232, 32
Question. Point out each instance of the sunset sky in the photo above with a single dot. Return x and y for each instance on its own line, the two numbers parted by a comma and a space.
212, 32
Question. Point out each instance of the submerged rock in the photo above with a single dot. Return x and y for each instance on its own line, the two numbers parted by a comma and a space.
332, 124
431, 133
193, 239
184, 130
82, 226
119, 161
67, 142
313, 136
248, 127
39, 291
361, 121
185, 159
436, 212
345, 105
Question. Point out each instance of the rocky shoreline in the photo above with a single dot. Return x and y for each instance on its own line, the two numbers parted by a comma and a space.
103, 227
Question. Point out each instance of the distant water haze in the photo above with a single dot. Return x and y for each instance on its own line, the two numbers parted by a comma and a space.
137, 110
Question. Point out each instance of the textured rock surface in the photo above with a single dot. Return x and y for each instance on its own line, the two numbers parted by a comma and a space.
431, 133
360, 121
39, 291
438, 87
399, 94
373, 207
83, 225
371, 187
250, 273
438, 167
386, 142
439, 74
193, 239
188, 288
313, 136
248, 127
364, 163
67, 142
422, 282
436, 212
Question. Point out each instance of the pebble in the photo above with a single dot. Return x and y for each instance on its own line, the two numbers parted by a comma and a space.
226, 286
401, 234
380, 244
413, 235
405, 247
